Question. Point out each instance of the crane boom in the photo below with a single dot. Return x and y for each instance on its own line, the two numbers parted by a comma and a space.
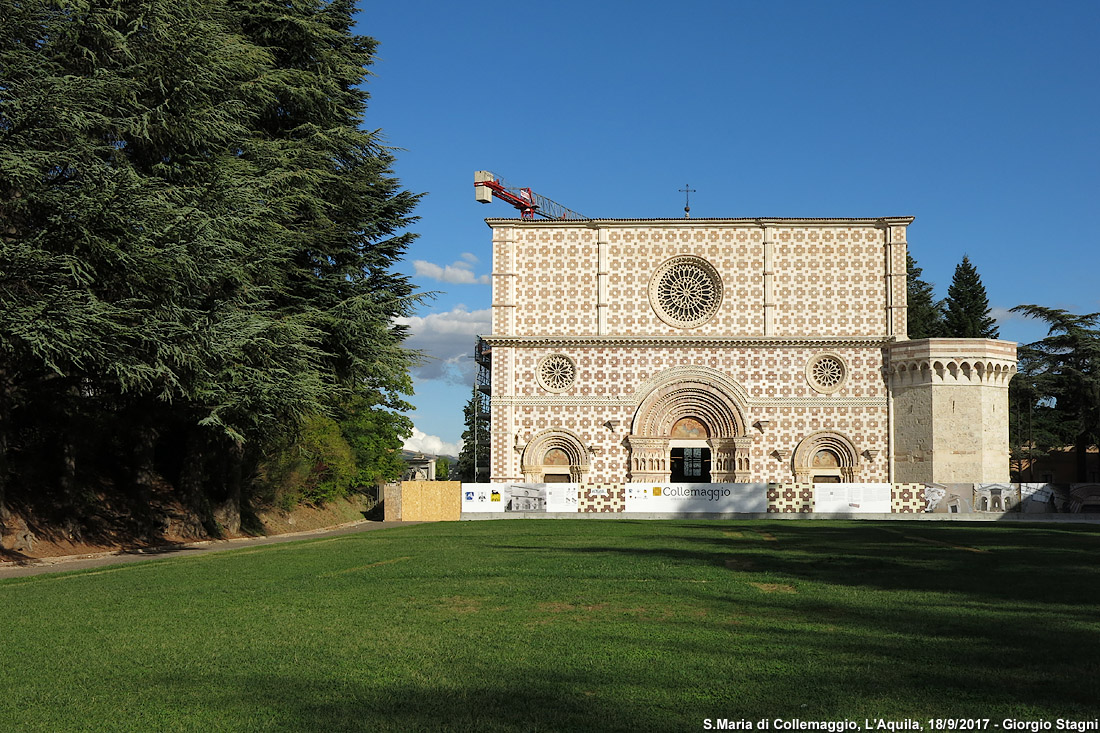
530, 204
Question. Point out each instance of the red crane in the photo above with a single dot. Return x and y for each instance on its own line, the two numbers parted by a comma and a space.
530, 204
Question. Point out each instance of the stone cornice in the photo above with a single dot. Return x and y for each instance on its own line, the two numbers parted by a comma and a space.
756, 221
953, 349
632, 400
687, 341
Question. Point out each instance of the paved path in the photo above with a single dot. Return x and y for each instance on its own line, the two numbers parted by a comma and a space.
118, 557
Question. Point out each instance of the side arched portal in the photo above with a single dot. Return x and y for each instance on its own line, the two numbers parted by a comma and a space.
555, 455
826, 455
693, 406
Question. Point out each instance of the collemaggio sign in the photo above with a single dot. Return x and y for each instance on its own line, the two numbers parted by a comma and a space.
663, 498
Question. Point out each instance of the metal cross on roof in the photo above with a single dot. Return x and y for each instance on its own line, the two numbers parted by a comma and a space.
687, 190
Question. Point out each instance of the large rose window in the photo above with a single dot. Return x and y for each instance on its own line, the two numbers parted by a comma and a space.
685, 292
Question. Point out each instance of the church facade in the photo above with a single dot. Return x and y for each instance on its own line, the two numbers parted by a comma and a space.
729, 351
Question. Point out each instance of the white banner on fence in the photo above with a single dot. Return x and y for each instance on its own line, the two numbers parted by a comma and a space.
852, 498
697, 498
520, 497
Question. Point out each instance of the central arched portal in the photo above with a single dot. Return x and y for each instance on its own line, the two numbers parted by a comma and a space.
691, 431
689, 452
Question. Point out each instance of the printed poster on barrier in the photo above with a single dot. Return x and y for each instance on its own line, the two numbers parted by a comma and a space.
562, 497
949, 498
542, 498
852, 498
697, 498
484, 497
520, 497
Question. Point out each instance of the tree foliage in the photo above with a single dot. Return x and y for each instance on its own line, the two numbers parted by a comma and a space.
1059, 384
924, 313
375, 432
196, 241
966, 309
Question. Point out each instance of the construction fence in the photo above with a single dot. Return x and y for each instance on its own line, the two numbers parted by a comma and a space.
451, 501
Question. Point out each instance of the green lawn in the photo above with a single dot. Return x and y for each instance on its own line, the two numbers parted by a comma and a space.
566, 625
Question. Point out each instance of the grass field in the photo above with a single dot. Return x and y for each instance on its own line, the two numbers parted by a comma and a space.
567, 625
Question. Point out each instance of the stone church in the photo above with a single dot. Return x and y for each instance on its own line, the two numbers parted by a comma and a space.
729, 350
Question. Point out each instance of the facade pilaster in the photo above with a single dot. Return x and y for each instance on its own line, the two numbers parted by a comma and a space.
601, 281
504, 280
896, 270
769, 278
504, 463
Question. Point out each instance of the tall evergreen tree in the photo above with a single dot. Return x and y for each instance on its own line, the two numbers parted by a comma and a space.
1062, 380
475, 436
924, 314
966, 309
335, 203
196, 240
1034, 425
130, 229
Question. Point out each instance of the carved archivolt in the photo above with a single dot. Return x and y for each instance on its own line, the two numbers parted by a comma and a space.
837, 444
566, 441
682, 375
704, 402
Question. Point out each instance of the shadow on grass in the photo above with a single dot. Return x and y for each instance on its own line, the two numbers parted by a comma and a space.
550, 703
849, 668
960, 618
1021, 563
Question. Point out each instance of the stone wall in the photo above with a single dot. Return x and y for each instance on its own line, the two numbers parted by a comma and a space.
780, 277
582, 298
778, 407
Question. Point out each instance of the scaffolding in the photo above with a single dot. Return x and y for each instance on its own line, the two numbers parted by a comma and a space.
483, 357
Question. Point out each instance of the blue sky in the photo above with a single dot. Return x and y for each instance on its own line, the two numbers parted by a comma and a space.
980, 119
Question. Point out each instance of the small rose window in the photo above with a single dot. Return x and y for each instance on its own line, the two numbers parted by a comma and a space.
826, 373
557, 372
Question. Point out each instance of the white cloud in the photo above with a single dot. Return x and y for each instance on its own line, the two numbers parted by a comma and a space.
1002, 315
460, 272
421, 442
447, 339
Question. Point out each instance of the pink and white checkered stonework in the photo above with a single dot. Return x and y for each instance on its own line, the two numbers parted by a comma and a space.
769, 350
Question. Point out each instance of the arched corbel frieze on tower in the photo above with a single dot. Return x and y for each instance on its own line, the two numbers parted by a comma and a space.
556, 451
701, 394
826, 453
